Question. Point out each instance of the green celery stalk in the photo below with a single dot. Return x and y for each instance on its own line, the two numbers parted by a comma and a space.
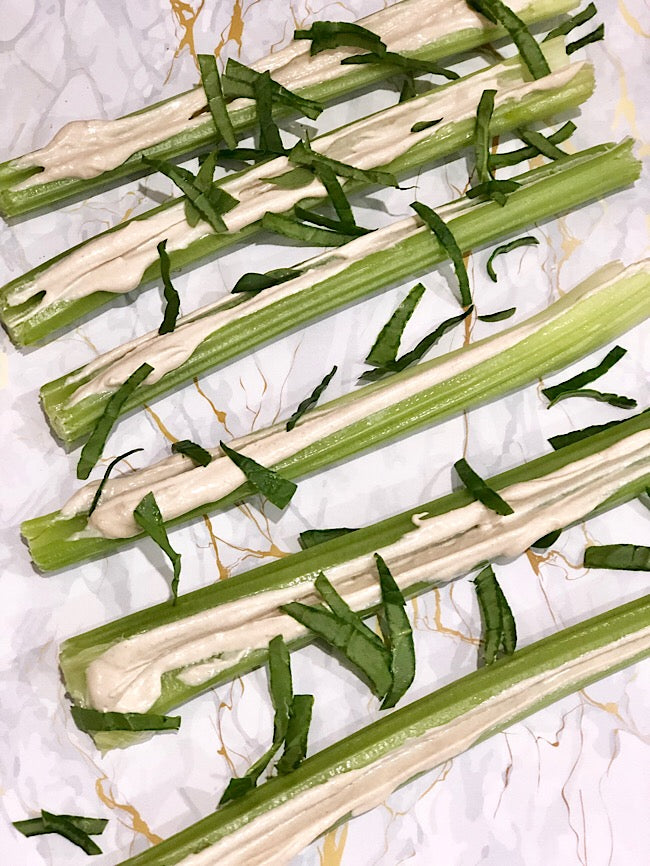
293, 572
28, 323
265, 823
200, 138
544, 192
615, 305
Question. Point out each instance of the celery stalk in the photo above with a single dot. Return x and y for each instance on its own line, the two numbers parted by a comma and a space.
273, 822
544, 192
295, 575
592, 314
27, 321
201, 137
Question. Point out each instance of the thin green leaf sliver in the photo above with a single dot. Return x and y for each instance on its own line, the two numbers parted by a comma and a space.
623, 557
302, 154
239, 80
386, 346
444, 235
617, 400
91, 721
482, 135
547, 540
327, 176
277, 489
203, 182
480, 490
312, 537
564, 439
541, 143
553, 392
339, 34
570, 24
253, 283
514, 157
342, 610
172, 300
500, 316
148, 517
270, 139
398, 635
211, 82
595, 36
295, 745
499, 629
62, 826
92, 449
531, 53
309, 402
109, 469
497, 190
527, 241
421, 125
410, 65
37, 826
347, 228
195, 452
285, 225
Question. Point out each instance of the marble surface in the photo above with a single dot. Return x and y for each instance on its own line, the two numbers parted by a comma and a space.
565, 786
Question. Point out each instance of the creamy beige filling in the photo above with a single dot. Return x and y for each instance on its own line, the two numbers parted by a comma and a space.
86, 148
178, 493
127, 676
272, 838
116, 261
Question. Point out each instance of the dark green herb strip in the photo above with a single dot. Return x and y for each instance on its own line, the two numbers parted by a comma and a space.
527, 241
295, 746
498, 13
500, 631
339, 34
211, 82
564, 439
90, 721
421, 125
444, 235
497, 190
238, 80
277, 489
172, 300
342, 611
501, 316
92, 450
508, 625
254, 283
309, 402
203, 181
482, 136
211, 203
242, 154
350, 230
109, 469
541, 144
547, 540
617, 400
281, 689
195, 452
571, 23
293, 179
302, 154
553, 392
288, 227
270, 139
36, 826
514, 157
60, 825
341, 205
406, 64
386, 346
148, 517
312, 537
398, 635
595, 36
408, 91
480, 490
624, 557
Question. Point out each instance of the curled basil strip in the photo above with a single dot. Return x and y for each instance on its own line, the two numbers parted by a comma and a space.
508, 248
398, 635
554, 392
480, 490
498, 13
277, 489
570, 24
148, 517
499, 629
253, 283
309, 402
482, 136
312, 537
514, 157
448, 242
172, 300
211, 82
196, 453
623, 557
109, 469
386, 346
93, 721
595, 36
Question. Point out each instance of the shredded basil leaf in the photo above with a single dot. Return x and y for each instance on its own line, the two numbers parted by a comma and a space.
564, 439
527, 241
446, 239
295, 743
211, 82
295, 178
482, 136
571, 23
480, 490
238, 80
497, 190
413, 65
92, 721
407, 90
196, 453
270, 139
514, 157
623, 557
498, 13
92, 450
277, 489
335, 192
302, 154
109, 469
254, 283
499, 629
554, 392
421, 125
350, 230
203, 181
398, 635
39, 826
547, 541
618, 400
289, 227
339, 34
501, 316
68, 826
542, 144
148, 517
172, 300
309, 402
312, 537
386, 346
595, 36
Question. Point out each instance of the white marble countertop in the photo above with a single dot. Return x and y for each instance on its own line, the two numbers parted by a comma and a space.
565, 786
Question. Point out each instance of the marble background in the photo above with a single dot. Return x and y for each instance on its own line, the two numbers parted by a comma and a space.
567, 785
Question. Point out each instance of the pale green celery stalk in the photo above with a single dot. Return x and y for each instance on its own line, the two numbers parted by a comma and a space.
558, 336
544, 192
80, 651
28, 323
268, 824
199, 138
